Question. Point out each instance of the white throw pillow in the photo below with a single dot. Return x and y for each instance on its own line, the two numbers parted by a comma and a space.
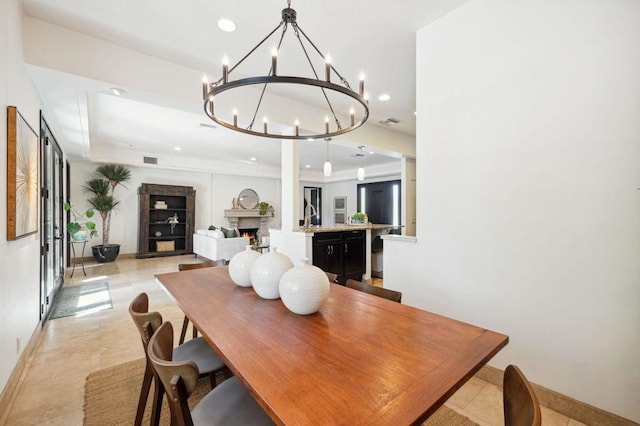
216, 234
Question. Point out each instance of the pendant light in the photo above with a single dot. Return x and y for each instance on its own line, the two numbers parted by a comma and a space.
327, 165
361, 168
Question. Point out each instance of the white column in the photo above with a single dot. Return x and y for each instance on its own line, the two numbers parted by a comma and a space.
296, 245
367, 244
408, 195
290, 177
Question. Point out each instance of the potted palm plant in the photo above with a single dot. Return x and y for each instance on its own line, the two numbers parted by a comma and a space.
102, 186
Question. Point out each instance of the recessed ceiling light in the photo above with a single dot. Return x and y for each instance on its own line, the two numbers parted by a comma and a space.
253, 158
118, 91
177, 148
308, 166
227, 25
371, 152
384, 97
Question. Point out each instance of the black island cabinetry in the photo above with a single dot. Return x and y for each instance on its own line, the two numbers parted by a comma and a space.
342, 253
167, 220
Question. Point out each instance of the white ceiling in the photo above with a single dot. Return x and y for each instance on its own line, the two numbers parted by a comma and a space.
371, 36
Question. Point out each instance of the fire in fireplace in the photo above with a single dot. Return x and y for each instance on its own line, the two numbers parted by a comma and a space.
249, 232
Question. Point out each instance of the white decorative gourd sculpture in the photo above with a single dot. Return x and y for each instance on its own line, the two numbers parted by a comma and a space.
304, 289
240, 266
266, 272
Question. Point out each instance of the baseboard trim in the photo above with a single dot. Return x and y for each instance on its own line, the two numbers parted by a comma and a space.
9, 392
560, 403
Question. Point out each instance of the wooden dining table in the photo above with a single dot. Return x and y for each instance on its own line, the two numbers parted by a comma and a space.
361, 359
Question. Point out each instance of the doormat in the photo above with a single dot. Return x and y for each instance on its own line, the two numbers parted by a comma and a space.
82, 299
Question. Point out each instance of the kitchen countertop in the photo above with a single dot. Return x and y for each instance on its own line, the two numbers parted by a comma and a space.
342, 228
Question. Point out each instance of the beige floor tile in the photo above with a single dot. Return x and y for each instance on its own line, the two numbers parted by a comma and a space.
486, 407
466, 393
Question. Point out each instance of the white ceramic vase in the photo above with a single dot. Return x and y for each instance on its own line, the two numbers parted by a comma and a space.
266, 273
304, 289
240, 266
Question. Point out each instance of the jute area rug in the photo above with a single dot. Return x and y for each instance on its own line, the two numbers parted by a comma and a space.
111, 398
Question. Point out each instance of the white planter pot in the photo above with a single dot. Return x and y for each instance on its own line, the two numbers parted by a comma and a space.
240, 266
266, 273
304, 289
79, 236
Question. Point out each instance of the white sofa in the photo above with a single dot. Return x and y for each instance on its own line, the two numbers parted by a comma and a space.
206, 245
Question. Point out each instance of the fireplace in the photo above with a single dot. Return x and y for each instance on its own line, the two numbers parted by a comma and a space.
250, 233
248, 220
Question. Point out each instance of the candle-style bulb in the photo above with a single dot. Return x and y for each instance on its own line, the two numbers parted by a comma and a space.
361, 84
274, 60
327, 67
235, 117
225, 68
265, 121
205, 86
352, 114
326, 124
297, 124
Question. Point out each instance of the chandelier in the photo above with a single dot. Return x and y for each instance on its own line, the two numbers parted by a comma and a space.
335, 122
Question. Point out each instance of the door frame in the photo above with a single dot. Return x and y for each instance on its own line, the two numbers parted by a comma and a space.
54, 242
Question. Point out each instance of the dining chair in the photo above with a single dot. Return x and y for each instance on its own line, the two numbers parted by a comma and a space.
333, 278
198, 350
229, 403
393, 295
521, 407
188, 267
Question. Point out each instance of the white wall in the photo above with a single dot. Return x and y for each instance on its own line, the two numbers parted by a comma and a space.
214, 193
226, 187
336, 189
19, 260
528, 168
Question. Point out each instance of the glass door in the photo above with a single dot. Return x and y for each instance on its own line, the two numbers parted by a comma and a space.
51, 237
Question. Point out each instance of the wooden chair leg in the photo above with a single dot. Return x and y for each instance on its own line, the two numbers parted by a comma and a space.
144, 393
195, 331
157, 402
212, 379
183, 333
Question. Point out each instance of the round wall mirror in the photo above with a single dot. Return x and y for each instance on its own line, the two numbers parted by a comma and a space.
248, 199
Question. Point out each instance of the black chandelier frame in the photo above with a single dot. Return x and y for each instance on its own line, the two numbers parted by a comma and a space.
211, 90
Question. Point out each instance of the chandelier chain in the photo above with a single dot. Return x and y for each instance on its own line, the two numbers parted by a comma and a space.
324, 93
342, 79
252, 50
264, 87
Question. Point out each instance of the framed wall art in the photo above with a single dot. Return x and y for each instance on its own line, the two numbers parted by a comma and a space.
22, 176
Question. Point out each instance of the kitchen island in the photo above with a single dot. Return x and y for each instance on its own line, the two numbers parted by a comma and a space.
344, 250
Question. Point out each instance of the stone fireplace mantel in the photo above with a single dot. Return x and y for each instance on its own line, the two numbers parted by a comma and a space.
248, 218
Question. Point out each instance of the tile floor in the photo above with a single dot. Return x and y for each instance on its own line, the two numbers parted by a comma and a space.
51, 390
